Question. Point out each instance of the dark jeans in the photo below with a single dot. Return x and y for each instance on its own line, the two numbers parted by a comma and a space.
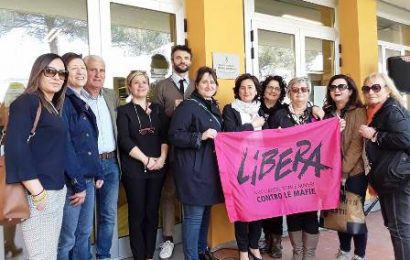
306, 221
247, 234
358, 185
143, 196
195, 230
396, 215
273, 226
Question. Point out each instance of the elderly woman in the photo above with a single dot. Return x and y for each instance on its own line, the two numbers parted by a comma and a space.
195, 124
37, 161
142, 131
388, 133
342, 100
273, 94
303, 227
244, 114
81, 171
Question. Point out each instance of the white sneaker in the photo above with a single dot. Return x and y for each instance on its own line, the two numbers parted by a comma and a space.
356, 257
342, 255
167, 248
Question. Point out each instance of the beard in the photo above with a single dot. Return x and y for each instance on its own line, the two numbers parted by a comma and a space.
181, 70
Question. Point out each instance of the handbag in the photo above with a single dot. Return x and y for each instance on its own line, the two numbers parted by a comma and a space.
14, 206
391, 173
349, 217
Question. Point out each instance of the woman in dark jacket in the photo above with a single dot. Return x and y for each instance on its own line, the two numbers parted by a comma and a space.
245, 114
82, 165
303, 227
273, 94
37, 161
193, 127
142, 131
342, 100
388, 133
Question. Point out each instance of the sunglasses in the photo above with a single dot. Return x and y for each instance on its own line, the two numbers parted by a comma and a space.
146, 131
340, 87
375, 87
299, 90
50, 72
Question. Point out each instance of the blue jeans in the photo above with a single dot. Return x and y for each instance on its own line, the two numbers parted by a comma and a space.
107, 198
195, 230
77, 226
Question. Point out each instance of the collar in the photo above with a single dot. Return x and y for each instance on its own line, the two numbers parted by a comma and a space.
176, 78
87, 95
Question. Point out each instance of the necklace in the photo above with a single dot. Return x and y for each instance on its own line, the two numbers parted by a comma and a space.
147, 130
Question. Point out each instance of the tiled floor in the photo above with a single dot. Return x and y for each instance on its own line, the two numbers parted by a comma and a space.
379, 245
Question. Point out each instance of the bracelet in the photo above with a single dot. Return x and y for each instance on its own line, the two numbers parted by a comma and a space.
37, 201
38, 193
145, 165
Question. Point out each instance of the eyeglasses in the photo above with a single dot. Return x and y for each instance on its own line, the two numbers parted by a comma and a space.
299, 90
375, 87
340, 87
148, 130
277, 89
50, 72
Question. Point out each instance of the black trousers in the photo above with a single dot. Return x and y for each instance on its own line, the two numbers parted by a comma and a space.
358, 185
273, 226
247, 234
306, 221
396, 215
143, 196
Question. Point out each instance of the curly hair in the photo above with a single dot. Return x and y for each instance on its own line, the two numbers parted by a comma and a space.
282, 85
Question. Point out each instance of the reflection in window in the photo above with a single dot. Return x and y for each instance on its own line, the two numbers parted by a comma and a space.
276, 54
393, 32
297, 10
28, 30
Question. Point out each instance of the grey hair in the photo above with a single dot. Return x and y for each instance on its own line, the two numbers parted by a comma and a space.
298, 80
89, 58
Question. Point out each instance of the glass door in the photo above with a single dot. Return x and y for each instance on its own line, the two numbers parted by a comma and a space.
133, 35
291, 49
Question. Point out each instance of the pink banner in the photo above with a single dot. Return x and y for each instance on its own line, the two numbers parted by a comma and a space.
279, 172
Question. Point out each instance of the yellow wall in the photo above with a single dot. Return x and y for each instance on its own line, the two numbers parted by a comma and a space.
358, 37
216, 26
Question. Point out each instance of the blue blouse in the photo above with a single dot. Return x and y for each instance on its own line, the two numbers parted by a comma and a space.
43, 157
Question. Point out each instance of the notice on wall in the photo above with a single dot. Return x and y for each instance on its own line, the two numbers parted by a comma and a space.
226, 65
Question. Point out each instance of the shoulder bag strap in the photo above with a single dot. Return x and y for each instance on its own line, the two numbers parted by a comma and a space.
206, 109
36, 119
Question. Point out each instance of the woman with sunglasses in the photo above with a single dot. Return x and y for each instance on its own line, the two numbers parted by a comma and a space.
342, 100
303, 227
194, 126
388, 132
245, 114
83, 169
37, 160
142, 131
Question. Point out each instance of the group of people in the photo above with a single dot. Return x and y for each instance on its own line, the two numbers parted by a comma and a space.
165, 147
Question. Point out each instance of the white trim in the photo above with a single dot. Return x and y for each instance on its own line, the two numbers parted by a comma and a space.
393, 13
328, 3
94, 27
393, 46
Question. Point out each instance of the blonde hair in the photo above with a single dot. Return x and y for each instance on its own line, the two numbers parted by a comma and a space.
389, 84
134, 73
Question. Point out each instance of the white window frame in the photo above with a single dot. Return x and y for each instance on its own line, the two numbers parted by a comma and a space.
257, 21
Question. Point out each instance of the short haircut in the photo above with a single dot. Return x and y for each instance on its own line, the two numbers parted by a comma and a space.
238, 82
93, 58
299, 80
180, 48
69, 56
